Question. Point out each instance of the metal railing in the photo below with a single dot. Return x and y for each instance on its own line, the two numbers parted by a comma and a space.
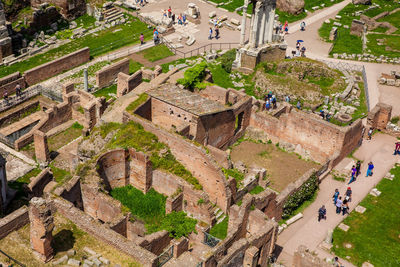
165, 256
199, 50
12, 259
210, 240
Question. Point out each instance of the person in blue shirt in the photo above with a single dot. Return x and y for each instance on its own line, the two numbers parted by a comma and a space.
335, 196
370, 168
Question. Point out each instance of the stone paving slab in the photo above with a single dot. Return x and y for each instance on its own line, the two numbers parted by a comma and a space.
344, 227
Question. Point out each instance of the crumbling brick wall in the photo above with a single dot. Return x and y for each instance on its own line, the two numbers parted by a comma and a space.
304, 258
320, 138
127, 83
108, 74
379, 116
8, 83
39, 182
14, 221
70, 9
57, 66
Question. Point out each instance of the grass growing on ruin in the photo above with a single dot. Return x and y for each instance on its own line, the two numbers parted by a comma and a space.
107, 92
220, 230
165, 66
103, 42
138, 101
377, 225
256, 190
150, 207
132, 135
134, 66
236, 174
61, 139
157, 52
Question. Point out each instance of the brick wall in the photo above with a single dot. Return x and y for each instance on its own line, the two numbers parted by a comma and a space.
112, 168
56, 66
14, 221
216, 93
9, 82
127, 83
379, 116
140, 170
195, 159
320, 138
304, 258
156, 242
39, 182
108, 74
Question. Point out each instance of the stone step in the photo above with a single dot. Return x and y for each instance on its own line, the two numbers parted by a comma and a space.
111, 10
216, 210
221, 219
111, 13
114, 18
219, 214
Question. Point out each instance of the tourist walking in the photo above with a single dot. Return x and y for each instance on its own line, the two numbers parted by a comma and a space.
287, 99
210, 33
353, 174
322, 213
336, 262
397, 148
18, 90
5, 96
273, 100
216, 32
155, 36
141, 38
335, 196
303, 51
267, 105
370, 169
358, 168
184, 19
302, 26
286, 27
370, 131
298, 105
169, 12
348, 194
338, 205
173, 18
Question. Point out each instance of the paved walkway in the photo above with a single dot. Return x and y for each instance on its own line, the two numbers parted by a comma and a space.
308, 231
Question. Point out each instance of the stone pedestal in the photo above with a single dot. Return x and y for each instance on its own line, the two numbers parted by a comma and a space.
41, 225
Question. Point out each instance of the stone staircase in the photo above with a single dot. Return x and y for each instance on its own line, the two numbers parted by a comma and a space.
219, 214
112, 14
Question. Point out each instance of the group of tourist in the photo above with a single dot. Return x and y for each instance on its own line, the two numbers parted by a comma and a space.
282, 28
324, 115
141, 2
300, 50
181, 19
342, 205
18, 93
270, 101
216, 31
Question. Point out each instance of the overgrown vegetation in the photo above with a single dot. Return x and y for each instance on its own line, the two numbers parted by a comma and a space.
372, 239
256, 190
236, 174
150, 208
138, 101
395, 120
306, 192
108, 92
227, 60
134, 66
220, 230
194, 76
59, 140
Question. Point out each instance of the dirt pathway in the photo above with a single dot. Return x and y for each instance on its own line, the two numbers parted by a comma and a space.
308, 231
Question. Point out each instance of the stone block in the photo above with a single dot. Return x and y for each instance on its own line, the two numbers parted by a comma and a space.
391, 82
60, 260
89, 251
74, 262
360, 209
367, 264
235, 22
212, 14
294, 218
375, 192
104, 260
88, 262
344, 227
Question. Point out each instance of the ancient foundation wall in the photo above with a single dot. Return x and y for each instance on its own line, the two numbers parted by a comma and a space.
8, 83
100, 231
195, 159
112, 168
168, 184
39, 182
68, 8
127, 83
304, 258
156, 242
56, 66
215, 93
318, 137
14, 221
379, 116
108, 74
11, 117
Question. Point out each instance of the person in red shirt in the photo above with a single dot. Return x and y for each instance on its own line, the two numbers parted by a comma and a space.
397, 148
169, 12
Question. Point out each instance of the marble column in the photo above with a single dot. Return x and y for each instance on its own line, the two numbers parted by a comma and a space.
264, 21
271, 21
243, 31
256, 24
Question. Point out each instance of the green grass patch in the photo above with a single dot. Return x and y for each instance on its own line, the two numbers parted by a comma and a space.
390, 46
92, 69
85, 21
165, 66
395, 120
374, 234
25, 179
134, 66
257, 190
60, 175
103, 42
59, 140
157, 52
150, 208
347, 43
107, 92
138, 101
380, 29
220, 230
220, 76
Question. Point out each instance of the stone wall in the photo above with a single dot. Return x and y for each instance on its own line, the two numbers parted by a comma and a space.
100, 231
195, 159
11, 117
379, 116
127, 83
39, 182
140, 170
156, 242
14, 221
52, 68
317, 137
216, 93
108, 74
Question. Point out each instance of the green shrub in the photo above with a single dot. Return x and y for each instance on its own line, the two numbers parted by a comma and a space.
194, 76
395, 120
305, 193
227, 60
